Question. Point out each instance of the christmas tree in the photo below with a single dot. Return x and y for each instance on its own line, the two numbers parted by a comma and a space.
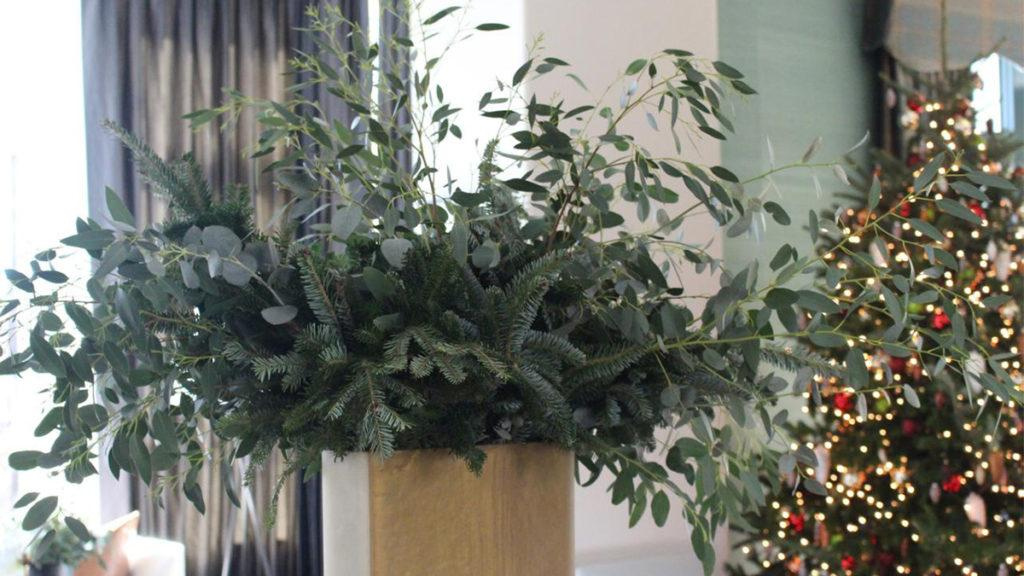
921, 467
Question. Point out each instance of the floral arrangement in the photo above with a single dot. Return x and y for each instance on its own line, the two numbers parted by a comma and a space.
385, 309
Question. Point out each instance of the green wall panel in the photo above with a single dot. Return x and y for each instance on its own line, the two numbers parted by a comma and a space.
804, 59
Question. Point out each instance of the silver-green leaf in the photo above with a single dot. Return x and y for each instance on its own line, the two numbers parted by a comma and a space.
279, 314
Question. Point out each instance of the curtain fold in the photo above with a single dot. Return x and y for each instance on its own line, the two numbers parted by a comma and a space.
146, 64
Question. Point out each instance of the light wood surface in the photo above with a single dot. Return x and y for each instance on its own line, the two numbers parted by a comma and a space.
430, 515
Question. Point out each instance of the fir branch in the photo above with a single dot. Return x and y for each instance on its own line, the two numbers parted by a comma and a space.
794, 357
165, 179
554, 344
318, 297
605, 364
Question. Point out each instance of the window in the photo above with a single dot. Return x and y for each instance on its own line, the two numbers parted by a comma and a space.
42, 191
1000, 98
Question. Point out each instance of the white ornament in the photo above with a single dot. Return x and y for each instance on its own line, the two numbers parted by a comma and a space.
974, 506
899, 475
890, 98
942, 184
991, 250
1009, 310
973, 368
824, 463
1003, 265
934, 493
917, 340
850, 479
909, 120
876, 255
1003, 570
979, 473
882, 456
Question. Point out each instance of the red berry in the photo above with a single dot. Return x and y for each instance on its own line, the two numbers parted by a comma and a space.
940, 321
843, 401
797, 522
953, 483
911, 427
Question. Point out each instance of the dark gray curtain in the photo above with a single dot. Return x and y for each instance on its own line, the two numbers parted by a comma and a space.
147, 63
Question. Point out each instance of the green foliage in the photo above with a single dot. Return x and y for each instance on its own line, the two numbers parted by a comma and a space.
424, 315
65, 543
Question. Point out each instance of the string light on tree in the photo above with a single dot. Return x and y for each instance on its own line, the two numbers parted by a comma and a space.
925, 473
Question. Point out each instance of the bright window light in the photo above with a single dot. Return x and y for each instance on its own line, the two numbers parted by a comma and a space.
987, 98
42, 191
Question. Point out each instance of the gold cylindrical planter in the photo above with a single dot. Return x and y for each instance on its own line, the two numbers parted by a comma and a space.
423, 513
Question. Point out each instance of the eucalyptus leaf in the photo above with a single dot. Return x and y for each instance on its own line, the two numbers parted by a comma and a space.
39, 513
814, 487
90, 239
24, 459
927, 174
812, 150
378, 283
78, 529
486, 255
636, 66
47, 357
238, 271
26, 499
957, 209
787, 463
394, 250
118, 211
874, 193
990, 180
911, 395
222, 240
856, 370
188, 274
279, 314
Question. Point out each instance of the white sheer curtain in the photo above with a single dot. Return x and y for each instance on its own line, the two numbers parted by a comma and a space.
42, 191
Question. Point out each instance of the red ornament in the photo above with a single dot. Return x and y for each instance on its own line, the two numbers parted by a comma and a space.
915, 103
978, 210
905, 209
953, 483
797, 522
897, 365
941, 400
940, 321
843, 401
848, 562
914, 159
910, 427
